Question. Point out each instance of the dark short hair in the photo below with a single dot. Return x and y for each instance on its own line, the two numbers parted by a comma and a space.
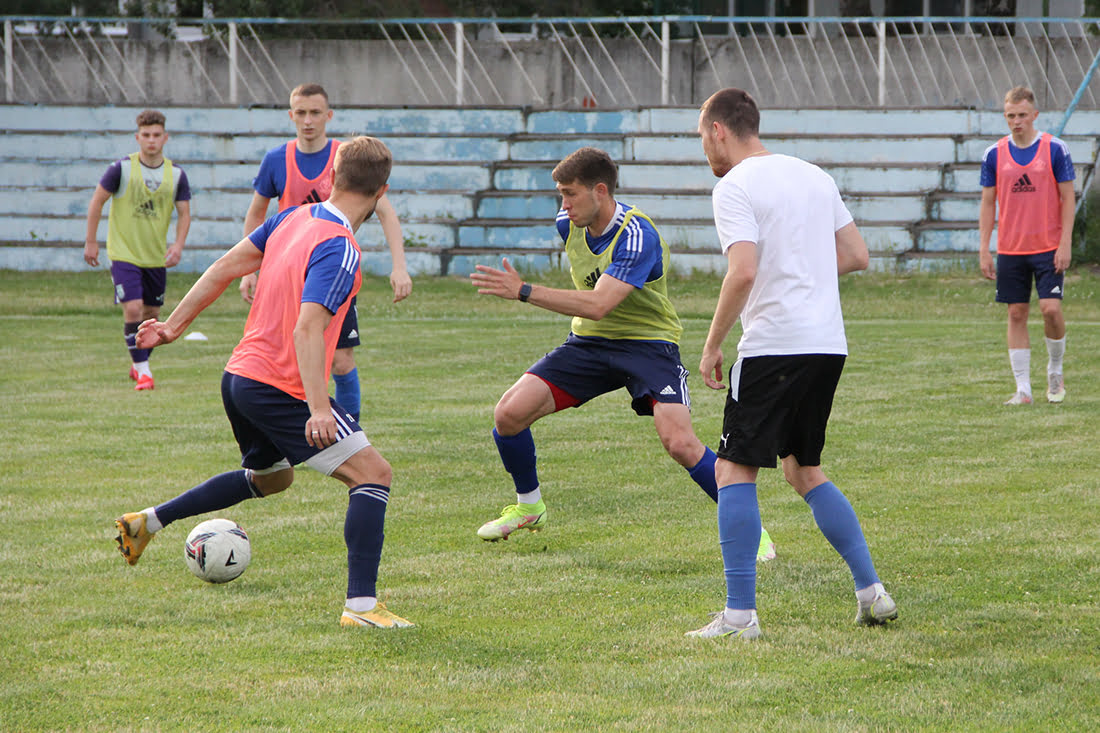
587, 166
362, 165
1015, 95
150, 117
735, 109
308, 90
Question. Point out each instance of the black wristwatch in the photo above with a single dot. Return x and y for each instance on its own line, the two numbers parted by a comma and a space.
524, 292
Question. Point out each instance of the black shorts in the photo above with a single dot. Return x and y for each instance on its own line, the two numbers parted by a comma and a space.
349, 330
1016, 272
779, 406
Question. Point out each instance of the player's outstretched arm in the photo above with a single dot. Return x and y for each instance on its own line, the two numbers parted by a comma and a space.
592, 304
244, 258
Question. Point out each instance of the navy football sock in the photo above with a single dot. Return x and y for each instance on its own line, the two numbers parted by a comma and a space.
363, 534
517, 452
217, 492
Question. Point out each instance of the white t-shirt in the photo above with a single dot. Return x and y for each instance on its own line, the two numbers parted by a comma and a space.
791, 210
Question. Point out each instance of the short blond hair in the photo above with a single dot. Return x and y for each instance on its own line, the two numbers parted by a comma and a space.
362, 165
308, 90
1015, 95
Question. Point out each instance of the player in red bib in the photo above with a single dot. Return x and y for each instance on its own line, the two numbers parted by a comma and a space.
274, 388
1027, 189
300, 172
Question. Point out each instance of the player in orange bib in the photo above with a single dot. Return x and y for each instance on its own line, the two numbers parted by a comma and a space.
1027, 189
300, 172
274, 388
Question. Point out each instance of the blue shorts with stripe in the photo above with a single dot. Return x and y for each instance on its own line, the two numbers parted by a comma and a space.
270, 424
585, 367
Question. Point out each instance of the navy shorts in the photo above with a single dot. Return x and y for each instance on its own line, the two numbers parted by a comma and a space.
585, 367
269, 426
1016, 272
146, 284
779, 406
349, 330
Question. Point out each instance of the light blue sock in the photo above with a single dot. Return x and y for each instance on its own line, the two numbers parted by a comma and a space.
702, 473
739, 536
348, 395
838, 522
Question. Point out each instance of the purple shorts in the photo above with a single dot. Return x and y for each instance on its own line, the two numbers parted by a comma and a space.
146, 284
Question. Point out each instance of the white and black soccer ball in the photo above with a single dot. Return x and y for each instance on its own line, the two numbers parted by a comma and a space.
217, 550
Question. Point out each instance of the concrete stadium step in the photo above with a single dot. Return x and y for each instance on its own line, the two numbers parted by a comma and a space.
966, 177
238, 148
971, 150
950, 206
676, 177
232, 120
226, 203
949, 237
203, 175
221, 233
661, 206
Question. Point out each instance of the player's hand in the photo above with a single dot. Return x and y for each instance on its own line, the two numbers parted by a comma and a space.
248, 287
710, 366
91, 253
402, 285
153, 333
172, 257
1062, 257
501, 283
985, 262
321, 430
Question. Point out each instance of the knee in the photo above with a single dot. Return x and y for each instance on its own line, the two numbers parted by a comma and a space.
506, 420
272, 483
343, 361
684, 448
1051, 310
1018, 312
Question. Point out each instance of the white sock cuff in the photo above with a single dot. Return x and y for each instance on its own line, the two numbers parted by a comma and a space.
152, 522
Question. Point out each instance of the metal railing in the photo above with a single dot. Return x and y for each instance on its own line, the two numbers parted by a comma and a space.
553, 62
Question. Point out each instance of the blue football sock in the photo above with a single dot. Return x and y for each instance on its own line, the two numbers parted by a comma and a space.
218, 492
363, 534
837, 521
129, 331
739, 536
702, 473
517, 452
348, 395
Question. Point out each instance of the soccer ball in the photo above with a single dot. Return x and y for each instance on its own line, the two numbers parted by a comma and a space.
217, 550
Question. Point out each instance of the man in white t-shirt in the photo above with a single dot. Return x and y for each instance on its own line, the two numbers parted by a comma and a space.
787, 235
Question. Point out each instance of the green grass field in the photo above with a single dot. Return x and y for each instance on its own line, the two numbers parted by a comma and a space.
983, 521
